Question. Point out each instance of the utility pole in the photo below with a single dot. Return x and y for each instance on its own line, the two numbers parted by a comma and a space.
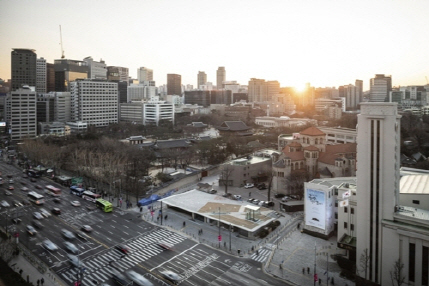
219, 235
315, 274
230, 230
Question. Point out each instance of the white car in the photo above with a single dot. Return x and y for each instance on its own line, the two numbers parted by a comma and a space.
170, 275
138, 278
75, 261
249, 185
71, 247
75, 203
4, 204
237, 197
44, 212
68, 234
49, 245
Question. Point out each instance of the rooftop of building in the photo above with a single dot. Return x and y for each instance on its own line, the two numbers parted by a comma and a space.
414, 184
232, 211
337, 182
312, 131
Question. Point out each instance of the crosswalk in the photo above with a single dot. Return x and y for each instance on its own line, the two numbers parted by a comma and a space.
261, 255
99, 268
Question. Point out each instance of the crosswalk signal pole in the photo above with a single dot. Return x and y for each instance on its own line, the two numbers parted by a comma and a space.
219, 237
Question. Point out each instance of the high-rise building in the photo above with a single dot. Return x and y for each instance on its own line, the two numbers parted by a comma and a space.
380, 87
115, 73
96, 70
257, 90
143, 91
220, 77
174, 84
359, 90
62, 109
67, 71
202, 79
45, 107
378, 162
94, 102
144, 74
21, 112
23, 68
50, 77
352, 95
41, 75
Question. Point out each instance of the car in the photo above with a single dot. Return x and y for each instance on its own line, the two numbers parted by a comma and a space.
123, 248
249, 185
44, 212
86, 228
68, 234
31, 230
23, 183
57, 200
37, 224
11, 181
279, 196
75, 203
262, 186
56, 211
24, 189
285, 198
25, 202
10, 176
7, 193
250, 200
138, 279
81, 235
255, 202
165, 245
16, 203
11, 188
170, 275
268, 204
120, 279
33, 180
38, 187
37, 215
237, 197
4, 204
49, 245
16, 220
261, 203
25, 176
70, 247
76, 262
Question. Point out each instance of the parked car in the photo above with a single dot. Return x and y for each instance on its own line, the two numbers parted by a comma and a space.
250, 200
33, 180
11, 181
49, 245
31, 230
57, 200
25, 202
24, 189
38, 187
56, 211
279, 196
138, 279
249, 185
16, 220
268, 204
237, 197
67, 234
70, 247
255, 202
262, 186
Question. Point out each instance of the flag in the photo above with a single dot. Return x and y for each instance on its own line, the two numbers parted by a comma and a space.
346, 194
344, 203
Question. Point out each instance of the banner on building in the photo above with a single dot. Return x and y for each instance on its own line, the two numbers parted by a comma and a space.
344, 203
347, 194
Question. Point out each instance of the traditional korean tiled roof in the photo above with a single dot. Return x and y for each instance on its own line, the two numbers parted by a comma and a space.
233, 126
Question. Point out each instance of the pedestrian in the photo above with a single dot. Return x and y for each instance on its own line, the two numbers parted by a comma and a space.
308, 270
250, 194
165, 217
257, 252
141, 209
28, 279
38, 282
280, 266
320, 281
20, 271
332, 281
303, 270
201, 231
184, 224
298, 226
42, 281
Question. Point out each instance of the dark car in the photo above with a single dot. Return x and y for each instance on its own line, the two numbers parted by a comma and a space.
86, 228
261, 186
268, 204
57, 200
38, 187
25, 202
33, 180
120, 279
123, 248
37, 224
56, 211
279, 196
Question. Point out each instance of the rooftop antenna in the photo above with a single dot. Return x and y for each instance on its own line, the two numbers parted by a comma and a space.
61, 39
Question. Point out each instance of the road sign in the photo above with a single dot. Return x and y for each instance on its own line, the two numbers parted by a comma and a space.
315, 277
219, 237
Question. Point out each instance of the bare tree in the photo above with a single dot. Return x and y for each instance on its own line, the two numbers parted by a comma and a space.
364, 263
396, 275
6, 250
225, 175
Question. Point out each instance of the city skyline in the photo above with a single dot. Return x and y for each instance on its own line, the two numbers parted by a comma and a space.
318, 42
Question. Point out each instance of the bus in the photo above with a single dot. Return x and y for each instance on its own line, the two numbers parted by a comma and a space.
36, 198
90, 196
34, 173
75, 190
51, 190
104, 205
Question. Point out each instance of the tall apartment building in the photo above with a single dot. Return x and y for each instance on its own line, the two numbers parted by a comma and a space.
23, 68
202, 79
41, 75
115, 73
174, 84
67, 71
144, 74
220, 77
257, 90
378, 162
94, 102
21, 113
380, 87
96, 70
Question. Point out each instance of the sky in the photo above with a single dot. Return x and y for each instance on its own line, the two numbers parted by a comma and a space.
325, 43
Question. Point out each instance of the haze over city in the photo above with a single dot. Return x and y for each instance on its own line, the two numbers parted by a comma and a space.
325, 43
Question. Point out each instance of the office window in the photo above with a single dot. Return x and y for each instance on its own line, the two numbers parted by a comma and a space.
345, 209
345, 224
417, 202
336, 215
352, 210
352, 226
411, 261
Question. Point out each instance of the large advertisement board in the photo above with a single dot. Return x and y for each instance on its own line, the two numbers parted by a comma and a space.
315, 212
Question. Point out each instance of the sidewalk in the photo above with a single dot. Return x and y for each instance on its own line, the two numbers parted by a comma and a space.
31, 274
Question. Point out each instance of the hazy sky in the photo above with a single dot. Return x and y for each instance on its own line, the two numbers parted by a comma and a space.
324, 42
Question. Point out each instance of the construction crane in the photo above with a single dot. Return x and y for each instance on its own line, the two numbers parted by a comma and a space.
61, 43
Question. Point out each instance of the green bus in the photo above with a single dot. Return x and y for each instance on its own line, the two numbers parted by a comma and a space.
104, 205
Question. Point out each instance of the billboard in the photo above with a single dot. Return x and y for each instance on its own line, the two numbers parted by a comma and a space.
315, 211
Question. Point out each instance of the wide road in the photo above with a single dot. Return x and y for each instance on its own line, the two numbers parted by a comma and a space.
197, 264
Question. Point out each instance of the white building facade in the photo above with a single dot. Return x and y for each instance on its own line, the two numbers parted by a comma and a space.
21, 113
94, 102
41, 75
156, 110
96, 70
144, 74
